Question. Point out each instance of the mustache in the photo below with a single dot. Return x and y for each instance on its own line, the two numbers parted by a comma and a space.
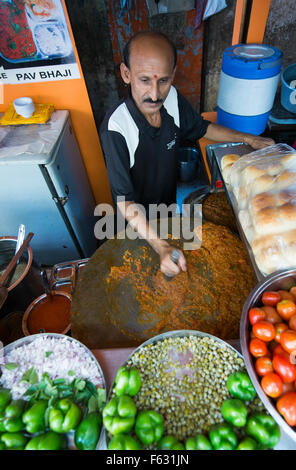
149, 100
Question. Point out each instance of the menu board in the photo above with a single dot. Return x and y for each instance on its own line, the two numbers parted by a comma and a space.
35, 44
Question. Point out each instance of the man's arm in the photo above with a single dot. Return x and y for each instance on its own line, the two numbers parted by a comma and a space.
139, 223
224, 134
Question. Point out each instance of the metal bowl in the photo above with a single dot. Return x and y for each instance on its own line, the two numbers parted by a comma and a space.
103, 444
279, 280
28, 339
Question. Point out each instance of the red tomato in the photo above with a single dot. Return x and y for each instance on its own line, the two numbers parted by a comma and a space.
285, 295
263, 365
284, 368
286, 406
286, 309
257, 347
279, 350
256, 314
272, 384
271, 314
279, 328
288, 387
293, 291
288, 340
264, 330
271, 298
292, 323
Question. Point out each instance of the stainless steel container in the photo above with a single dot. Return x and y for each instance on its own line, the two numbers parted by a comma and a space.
103, 444
28, 339
276, 281
28, 285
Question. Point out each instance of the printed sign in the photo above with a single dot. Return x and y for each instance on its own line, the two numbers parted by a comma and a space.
35, 43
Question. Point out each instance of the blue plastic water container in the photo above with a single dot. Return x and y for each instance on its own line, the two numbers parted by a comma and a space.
288, 90
248, 83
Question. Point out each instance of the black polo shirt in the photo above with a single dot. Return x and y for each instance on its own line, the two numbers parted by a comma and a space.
142, 160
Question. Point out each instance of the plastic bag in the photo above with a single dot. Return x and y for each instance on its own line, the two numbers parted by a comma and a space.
264, 185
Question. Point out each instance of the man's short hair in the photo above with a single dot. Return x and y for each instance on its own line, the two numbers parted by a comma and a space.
127, 47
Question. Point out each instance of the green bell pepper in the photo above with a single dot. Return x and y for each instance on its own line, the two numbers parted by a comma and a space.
119, 415
11, 417
88, 432
64, 416
222, 437
234, 412
149, 426
247, 444
127, 382
240, 386
199, 442
47, 441
33, 418
13, 441
123, 442
5, 398
170, 443
264, 429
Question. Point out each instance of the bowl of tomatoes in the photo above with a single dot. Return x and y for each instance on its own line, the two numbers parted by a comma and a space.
268, 344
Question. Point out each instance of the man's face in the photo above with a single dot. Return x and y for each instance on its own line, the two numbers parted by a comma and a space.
150, 75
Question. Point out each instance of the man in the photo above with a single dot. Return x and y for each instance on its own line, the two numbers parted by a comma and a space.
140, 137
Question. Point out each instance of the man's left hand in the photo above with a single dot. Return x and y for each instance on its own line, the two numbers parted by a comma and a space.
258, 142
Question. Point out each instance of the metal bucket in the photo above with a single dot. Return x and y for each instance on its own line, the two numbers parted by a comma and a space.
288, 89
26, 283
188, 162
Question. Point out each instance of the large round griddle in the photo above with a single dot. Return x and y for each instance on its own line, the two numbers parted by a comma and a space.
110, 314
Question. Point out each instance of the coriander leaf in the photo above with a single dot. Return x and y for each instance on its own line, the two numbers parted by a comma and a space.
101, 393
48, 353
92, 404
79, 384
30, 376
71, 372
92, 388
11, 365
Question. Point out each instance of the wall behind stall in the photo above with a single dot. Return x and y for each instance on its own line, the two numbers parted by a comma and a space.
73, 96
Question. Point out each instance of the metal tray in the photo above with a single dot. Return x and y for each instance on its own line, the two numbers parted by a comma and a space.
215, 153
28, 339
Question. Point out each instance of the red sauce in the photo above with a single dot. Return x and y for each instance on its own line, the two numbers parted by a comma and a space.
16, 40
52, 314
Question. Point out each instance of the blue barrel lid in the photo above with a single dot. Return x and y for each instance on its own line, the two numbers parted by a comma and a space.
252, 61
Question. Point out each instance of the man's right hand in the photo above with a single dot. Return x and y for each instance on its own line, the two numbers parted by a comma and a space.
167, 266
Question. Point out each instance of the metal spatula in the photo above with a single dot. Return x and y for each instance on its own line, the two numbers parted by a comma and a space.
10, 267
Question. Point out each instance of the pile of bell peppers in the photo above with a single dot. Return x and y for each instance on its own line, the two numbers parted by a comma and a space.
42, 425
131, 429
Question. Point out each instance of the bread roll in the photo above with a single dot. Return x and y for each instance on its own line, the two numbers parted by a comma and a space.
261, 201
285, 179
289, 160
274, 219
226, 172
275, 252
228, 159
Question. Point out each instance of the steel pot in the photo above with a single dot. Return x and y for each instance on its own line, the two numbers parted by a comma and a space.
34, 304
28, 285
276, 281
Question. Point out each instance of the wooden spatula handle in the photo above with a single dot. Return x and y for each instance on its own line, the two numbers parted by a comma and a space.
16, 258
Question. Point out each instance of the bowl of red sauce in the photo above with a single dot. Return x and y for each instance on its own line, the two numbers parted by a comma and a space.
49, 313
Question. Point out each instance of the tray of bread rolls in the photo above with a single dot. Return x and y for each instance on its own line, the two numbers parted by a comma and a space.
261, 188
